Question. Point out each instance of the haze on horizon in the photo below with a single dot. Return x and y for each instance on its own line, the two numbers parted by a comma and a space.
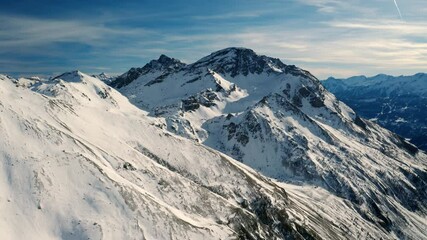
326, 37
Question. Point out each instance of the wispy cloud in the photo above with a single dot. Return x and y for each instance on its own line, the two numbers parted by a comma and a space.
386, 25
24, 32
326, 6
229, 15
359, 46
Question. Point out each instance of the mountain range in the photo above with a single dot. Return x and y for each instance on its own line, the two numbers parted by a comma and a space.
396, 103
233, 146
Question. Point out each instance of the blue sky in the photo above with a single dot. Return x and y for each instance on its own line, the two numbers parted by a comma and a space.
326, 37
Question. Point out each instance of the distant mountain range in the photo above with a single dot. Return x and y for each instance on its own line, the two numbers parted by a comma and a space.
397, 103
104, 77
233, 146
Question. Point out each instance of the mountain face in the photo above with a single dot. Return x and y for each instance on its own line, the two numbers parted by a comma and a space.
397, 103
280, 120
157, 158
78, 161
154, 69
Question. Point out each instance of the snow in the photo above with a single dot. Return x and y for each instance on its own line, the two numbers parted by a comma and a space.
80, 160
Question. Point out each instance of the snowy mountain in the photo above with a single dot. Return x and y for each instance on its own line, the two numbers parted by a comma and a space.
397, 103
279, 120
78, 161
154, 160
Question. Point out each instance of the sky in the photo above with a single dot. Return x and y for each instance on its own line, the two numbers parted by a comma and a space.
325, 37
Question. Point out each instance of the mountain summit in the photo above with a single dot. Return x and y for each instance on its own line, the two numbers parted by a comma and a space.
161, 65
243, 61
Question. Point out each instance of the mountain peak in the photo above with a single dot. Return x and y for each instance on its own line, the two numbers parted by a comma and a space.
236, 51
164, 62
72, 76
231, 53
165, 59
235, 61
161, 65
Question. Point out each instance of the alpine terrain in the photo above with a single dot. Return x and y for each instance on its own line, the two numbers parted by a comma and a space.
397, 103
78, 161
279, 120
233, 146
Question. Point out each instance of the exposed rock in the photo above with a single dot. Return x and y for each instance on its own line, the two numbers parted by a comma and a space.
164, 64
129, 166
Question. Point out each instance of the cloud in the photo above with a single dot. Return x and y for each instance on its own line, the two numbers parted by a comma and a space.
24, 32
360, 46
339, 48
340, 38
326, 6
229, 15
398, 27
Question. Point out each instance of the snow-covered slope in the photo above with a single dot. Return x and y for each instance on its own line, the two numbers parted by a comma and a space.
78, 161
397, 103
279, 119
